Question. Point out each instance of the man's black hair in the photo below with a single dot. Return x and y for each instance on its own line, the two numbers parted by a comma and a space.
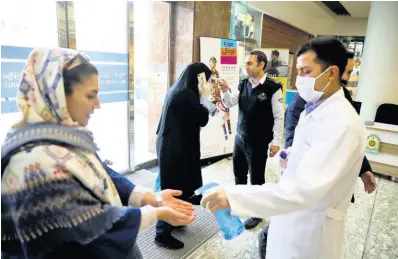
350, 55
260, 56
275, 53
329, 52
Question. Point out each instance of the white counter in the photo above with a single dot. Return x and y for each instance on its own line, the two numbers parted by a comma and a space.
386, 161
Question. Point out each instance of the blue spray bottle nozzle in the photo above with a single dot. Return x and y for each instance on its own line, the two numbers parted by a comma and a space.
204, 188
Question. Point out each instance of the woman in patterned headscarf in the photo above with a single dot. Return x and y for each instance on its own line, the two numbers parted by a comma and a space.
58, 199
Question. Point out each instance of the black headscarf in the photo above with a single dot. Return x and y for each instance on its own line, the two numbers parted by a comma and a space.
189, 77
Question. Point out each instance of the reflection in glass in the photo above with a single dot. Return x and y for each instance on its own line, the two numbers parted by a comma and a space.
151, 24
21, 29
246, 24
105, 41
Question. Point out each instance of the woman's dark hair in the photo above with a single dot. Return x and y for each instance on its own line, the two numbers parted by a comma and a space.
76, 75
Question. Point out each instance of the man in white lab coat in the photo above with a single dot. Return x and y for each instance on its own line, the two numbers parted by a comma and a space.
310, 202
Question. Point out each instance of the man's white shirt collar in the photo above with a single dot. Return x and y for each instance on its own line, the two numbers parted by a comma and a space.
262, 80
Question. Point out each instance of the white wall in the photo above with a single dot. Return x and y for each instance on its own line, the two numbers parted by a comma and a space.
378, 77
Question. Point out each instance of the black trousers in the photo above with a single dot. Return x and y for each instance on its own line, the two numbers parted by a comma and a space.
250, 156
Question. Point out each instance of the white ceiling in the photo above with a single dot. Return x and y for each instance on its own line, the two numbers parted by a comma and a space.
315, 18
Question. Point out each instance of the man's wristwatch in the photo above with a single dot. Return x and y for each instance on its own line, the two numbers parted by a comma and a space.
159, 199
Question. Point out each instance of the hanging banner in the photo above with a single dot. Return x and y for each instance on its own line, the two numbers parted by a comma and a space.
278, 66
221, 55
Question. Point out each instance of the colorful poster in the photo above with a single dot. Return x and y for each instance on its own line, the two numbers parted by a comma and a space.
278, 66
221, 55
283, 81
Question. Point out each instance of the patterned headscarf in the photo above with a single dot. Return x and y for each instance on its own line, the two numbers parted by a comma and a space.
41, 95
54, 189
41, 99
52, 169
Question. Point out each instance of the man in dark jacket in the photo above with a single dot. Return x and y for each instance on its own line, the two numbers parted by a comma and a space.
296, 106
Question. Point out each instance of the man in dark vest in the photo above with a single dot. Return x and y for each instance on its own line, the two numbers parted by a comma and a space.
260, 122
296, 106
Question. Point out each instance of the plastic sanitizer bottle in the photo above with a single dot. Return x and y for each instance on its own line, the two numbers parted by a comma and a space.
284, 155
230, 226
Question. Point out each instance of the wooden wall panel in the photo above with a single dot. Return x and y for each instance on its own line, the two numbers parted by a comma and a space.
212, 19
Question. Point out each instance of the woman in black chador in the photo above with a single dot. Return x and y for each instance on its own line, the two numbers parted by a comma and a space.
186, 108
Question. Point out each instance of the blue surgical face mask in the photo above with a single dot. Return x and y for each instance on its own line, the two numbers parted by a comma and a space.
306, 88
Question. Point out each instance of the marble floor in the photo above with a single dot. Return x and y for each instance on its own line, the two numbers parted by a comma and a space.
372, 222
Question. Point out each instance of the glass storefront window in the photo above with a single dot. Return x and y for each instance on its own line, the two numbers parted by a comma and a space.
27, 28
245, 24
151, 41
102, 32
21, 29
245, 27
105, 30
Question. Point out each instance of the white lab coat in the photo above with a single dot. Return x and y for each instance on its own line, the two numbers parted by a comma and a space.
309, 204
